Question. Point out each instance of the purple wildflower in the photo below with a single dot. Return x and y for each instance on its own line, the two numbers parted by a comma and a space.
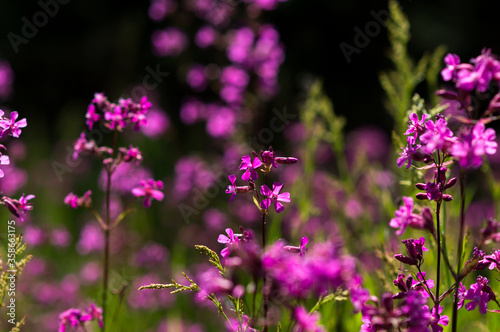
75, 201
234, 325
418, 285
274, 197
493, 259
479, 294
24, 206
300, 249
414, 250
405, 217
437, 319
307, 322
71, 317
437, 136
92, 116
91, 313
10, 126
452, 61
473, 145
233, 189
249, 167
461, 295
415, 127
406, 156
149, 189
115, 117
230, 240
4, 160
131, 154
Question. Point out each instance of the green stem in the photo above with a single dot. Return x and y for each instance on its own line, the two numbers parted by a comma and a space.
107, 234
264, 274
438, 267
460, 247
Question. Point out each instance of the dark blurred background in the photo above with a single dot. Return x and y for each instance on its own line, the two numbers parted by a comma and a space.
91, 46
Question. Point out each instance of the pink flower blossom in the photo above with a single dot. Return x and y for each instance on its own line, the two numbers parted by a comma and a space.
274, 197
149, 189
10, 126
230, 240
249, 167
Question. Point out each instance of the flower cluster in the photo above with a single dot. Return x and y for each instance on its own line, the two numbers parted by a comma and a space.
264, 161
10, 126
75, 317
117, 116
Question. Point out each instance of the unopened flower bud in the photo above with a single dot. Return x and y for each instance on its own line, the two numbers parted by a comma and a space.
421, 196
405, 260
447, 198
420, 186
447, 94
450, 183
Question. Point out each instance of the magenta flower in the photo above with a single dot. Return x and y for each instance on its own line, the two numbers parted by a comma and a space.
270, 160
10, 126
414, 250
415, 127
244, 326
91, 313
473, 145
307, 322
461, 295
233, 189
479, 294
452, 61
437, 319
149, 189
91, 116
131, 154
437, 136
274, 197
493, 259
230, 240
115, 117
82, 146
406, 156
4, 160
71, 317
249, 167
405, 217
74, 201
418, 285
24, 206
300, 249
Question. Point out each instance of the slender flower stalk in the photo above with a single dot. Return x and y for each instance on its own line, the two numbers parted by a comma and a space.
107, 235
438, 265
459, 247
